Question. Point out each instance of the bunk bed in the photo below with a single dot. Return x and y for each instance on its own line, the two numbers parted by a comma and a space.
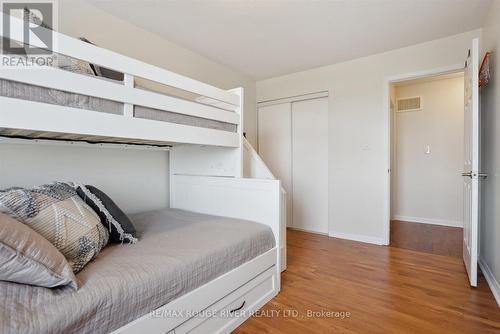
201, 126
117, 111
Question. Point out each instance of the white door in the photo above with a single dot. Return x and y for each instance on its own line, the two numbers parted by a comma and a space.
310, 165
471, 162
275, 145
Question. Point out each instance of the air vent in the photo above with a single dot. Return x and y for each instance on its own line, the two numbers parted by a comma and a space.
410, 104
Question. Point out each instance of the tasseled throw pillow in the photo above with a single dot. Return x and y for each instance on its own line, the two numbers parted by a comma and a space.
116, 221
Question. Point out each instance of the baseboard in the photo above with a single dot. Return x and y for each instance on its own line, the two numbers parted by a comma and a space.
304, 230
358, 237
283, 258
341, 235
490, 278
431, 221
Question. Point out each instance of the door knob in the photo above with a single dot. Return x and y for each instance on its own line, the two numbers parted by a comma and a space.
479, 175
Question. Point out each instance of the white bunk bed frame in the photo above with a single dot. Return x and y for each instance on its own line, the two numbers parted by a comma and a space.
206, 169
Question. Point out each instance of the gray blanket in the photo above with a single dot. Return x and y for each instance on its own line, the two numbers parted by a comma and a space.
177, 252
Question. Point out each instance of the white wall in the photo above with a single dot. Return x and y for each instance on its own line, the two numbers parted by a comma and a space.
137, 180
80, 19
490, 162
428, 187
358, 124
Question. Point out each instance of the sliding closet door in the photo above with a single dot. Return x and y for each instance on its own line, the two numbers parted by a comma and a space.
310, 165
275, 145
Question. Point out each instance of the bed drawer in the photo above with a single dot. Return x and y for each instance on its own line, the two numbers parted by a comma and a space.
232, 310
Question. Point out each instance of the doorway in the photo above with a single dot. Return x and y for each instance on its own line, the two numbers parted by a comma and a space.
471, 145
293, 142
427, 156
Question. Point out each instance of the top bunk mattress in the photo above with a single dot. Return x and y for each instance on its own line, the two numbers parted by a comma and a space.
177, 252
28, 92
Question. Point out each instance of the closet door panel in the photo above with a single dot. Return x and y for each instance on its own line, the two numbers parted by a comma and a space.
275, 145
310, 165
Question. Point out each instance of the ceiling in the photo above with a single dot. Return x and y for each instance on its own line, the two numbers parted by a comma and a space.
267, 38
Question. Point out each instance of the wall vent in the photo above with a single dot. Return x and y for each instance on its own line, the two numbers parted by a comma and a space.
410, 104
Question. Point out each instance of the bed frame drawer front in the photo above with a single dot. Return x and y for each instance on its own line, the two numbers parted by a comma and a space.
227, 314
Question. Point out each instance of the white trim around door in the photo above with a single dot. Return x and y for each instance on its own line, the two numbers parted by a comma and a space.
387, 114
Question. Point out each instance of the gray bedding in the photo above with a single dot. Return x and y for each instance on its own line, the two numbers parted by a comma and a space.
24, 91
178, 251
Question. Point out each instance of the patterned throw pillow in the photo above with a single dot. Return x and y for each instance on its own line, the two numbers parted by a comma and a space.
73, 65
119, 225
57, 213
63, 62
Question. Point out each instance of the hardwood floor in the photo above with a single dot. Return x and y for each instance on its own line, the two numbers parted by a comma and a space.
384, 289
434, 239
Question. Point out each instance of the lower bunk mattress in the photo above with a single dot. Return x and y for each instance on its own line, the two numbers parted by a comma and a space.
177, 252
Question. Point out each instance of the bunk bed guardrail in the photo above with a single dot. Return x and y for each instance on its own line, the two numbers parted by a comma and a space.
212, 104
